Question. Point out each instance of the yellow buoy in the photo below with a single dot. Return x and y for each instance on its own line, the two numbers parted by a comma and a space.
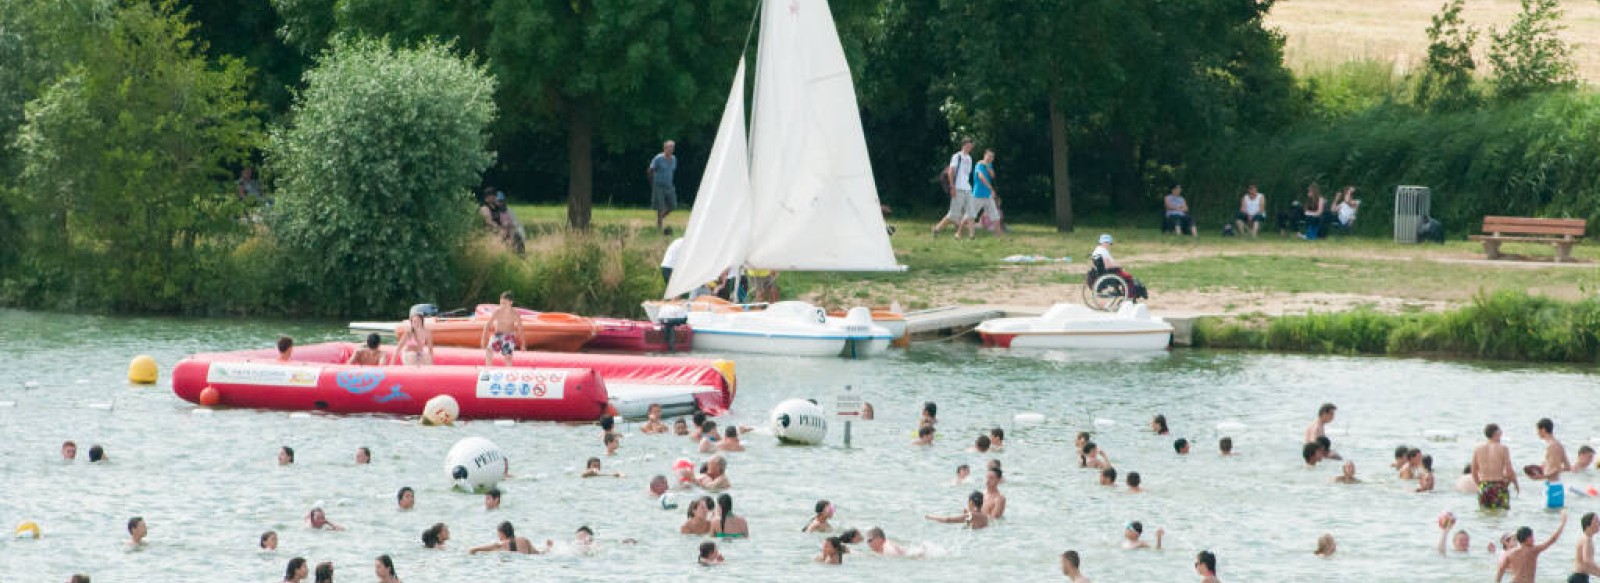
143, 370
28, 529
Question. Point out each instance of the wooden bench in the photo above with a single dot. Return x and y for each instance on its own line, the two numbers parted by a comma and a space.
1563, 233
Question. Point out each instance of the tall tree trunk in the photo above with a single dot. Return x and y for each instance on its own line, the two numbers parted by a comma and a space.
1126, 189
1058, 167
580, 165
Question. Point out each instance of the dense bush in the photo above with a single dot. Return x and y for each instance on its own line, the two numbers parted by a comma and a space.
374, 174
605, 272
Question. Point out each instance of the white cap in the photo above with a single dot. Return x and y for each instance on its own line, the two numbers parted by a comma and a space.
1105, 238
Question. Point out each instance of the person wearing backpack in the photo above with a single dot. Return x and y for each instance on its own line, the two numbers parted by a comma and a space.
957, 180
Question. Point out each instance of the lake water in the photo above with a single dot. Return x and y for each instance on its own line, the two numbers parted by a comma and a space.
208, 484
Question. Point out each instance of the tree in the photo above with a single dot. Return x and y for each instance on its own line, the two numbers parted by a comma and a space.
375, 174
600, 73
1446, 83
124, 160
1530, 57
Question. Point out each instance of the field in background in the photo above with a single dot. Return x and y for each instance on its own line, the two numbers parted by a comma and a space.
1323, 33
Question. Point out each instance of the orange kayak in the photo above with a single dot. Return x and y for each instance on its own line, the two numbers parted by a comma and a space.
551, 331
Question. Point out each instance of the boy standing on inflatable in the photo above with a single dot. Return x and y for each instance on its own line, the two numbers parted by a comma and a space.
503, 332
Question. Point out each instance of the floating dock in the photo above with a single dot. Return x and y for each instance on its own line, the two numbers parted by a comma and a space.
957, 320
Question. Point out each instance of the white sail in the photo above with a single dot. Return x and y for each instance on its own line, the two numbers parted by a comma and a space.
719, 227
815, 206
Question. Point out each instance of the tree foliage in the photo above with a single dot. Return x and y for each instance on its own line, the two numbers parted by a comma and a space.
124, 159
375, 174
1530, 57
1446, 83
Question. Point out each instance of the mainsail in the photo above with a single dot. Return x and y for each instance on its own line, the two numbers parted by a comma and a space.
800, 195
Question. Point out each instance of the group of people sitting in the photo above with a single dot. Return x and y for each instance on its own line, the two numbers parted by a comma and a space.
1311, 219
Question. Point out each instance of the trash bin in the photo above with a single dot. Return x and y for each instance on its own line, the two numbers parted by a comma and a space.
1410, 211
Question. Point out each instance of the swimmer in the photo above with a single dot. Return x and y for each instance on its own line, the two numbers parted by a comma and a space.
1425, 478
269, 541
697, 424
698, 521
709, 555
1583, 565
1492, 471
415, 344
1069, 567
994, 503
980, 445
882, 545
962, 472
833, 551
296, 571
1465, 484
658, 488
1180, 446
1459, 543
1523, 561
708, 436
1585, 460
924, 436
730, 440
1205, 565
369, 356
680, 427
1311, 453
435, 536
728, 524
508, 541
715, 476
994, 464
866, 411
997, 440
1158, 424
406, 498
1134, 480
612, 442
69, 451
285, 348
79, 578
608, 426
1108, 477
851, 536
1131, 533
502, 332
819, 520
1400, 453
592, 470
1319, 427
1325, 546
930, 414
491, 499
653, 424
324, 573
1225, 446
1413, 464
1327, 448
285, 456
1348, 475
137, 529
363, 456
97, 454
318, 520
383, 567
1093, 457
972, 515
1080, 441
1555, 454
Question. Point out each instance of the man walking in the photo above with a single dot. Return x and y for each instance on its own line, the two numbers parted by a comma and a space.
958, 174
983, 195
663, 195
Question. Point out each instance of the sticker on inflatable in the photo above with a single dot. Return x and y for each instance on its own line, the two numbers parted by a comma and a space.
521, 383
272, 375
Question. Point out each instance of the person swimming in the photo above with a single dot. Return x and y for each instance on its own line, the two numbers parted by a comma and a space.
383, 567
1108, 477
1180, 446
1225, 446
592, 470
97, 454
1348, 475
285, 456
435, 536
1325, 546
819, 520
963, 471
833, 551
510, 542
997, 440
324, 573
1158, 424
728, 524
680, 427
653, 424
296, 571
363, 456
1093, 457
715, 476
972, 515
491, 499
1134, 480
1132, 532
318, 520
730, 440
980, 445
880, 544
708, 436
1070, 562
698, 520
994, 503
406, 498
269, 541
285, 348
709, 555
1205, 565
137, 529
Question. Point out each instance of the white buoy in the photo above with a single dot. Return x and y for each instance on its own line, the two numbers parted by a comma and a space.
505, 422
1029, 418
441, 410
200, 411
799, 421
30, 385
8, 403
1439, 435
1103, 422
299, 415
476, 464
1230, 426
100, 406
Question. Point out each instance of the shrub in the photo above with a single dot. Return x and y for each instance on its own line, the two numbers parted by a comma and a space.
374, 175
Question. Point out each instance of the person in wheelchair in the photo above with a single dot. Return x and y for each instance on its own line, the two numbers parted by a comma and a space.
1104, 264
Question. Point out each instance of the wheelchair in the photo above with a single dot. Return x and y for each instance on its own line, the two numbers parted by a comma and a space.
1106, 289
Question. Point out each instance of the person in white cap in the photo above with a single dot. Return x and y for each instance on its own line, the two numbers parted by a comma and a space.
1102, 252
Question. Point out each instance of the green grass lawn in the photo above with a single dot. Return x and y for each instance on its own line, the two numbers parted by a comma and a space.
944, 270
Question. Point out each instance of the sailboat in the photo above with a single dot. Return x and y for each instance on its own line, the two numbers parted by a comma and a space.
798, 195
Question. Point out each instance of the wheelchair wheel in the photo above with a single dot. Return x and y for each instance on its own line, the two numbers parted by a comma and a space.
1106, 293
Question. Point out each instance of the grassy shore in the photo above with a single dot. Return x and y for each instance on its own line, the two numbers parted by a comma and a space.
1212, 274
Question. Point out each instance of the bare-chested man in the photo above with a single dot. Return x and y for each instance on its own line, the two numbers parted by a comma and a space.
1583, 566
654, 424
994, 503
882, 545
1492, 470
716, 474
1555, 455
972, 515
502, 333
1522, 562
1069, 567
1585, 459
1318, 428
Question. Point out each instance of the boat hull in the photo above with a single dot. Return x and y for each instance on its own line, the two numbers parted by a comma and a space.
1074, 327
787, 328
1079, 341
546, 331
615, 334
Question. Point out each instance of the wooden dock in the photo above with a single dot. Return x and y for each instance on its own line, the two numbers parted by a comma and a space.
956, 320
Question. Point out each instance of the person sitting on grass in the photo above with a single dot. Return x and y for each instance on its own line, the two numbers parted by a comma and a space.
1345, 205
1252, 211
1315, 213
1178, 213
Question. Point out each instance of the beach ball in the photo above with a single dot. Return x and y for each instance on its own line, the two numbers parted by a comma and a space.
143, 370
441, 410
